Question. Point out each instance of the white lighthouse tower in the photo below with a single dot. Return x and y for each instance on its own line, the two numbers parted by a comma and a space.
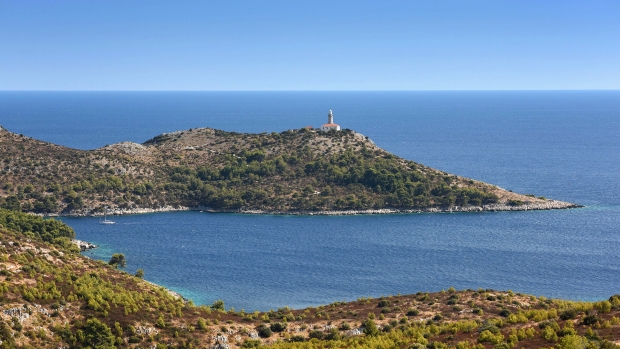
330, 123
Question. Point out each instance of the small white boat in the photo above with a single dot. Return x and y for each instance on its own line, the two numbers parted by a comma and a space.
105, 219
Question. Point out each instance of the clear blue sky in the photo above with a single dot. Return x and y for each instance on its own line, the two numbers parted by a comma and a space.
311, 45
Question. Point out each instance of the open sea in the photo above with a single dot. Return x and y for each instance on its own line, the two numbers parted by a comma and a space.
563, 145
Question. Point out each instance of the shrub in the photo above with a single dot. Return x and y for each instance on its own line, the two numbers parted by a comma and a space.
383, 303
573, 342
202, 325
264, 331
297, 338
548, 333
316, 334
160, 322
589, 320
505, 312
488, 336
277, 327
413, 312
17, 326
603, 306
251, 343
333, 335
568, 314
488, 326
218, 305
568, 329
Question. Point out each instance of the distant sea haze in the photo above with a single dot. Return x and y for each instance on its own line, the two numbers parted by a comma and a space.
563, 145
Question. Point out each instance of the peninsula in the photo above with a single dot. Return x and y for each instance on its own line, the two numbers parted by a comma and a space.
305, 171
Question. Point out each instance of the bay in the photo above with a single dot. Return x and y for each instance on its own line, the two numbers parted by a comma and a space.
560, 144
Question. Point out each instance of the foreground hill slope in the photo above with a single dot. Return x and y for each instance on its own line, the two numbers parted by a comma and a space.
52, 297
296, 171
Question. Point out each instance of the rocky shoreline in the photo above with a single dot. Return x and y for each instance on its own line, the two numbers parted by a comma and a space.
547, 205
121, 211
536, 206
83, 245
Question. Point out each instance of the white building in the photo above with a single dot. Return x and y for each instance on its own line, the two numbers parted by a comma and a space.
330, 123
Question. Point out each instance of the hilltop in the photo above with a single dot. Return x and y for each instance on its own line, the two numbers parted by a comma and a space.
52, 297
294, 172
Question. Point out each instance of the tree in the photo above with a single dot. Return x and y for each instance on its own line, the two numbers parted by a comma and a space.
12, 203
140, 273
218, 305
98, 334
573, 342
118, 260
370, 328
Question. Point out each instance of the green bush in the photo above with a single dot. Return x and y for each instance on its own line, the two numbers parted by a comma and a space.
277, 327
590, 320
370, 328
297, 338
264, 331
251, 343
316, 334
490, 337
568, 314
383, 303
413, 312
505, 312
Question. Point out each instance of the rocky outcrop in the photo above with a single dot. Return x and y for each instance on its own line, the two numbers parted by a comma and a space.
120, 211
83, 245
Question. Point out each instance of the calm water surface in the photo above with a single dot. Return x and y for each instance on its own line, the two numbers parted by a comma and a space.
563, 145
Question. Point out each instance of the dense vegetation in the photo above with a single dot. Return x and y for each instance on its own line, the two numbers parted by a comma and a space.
295, 170
48, 230
52, 297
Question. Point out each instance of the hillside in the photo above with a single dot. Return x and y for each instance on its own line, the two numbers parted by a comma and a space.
296, 171
52, 297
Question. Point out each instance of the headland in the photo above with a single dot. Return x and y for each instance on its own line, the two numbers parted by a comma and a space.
326, 171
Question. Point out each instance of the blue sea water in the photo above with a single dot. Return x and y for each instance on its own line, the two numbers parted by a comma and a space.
560, 144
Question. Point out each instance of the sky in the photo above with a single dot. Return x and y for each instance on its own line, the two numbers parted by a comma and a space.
309, 45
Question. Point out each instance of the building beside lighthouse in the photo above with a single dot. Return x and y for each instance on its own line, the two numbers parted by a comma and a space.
330, 123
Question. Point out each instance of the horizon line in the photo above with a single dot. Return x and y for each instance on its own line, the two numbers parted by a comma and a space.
413, 90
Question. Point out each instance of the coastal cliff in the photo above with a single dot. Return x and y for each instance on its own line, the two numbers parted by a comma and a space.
293, 172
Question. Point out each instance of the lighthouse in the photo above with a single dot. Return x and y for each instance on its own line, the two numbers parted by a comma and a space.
330, 123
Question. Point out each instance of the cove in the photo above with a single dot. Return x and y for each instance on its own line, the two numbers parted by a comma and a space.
260, 262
